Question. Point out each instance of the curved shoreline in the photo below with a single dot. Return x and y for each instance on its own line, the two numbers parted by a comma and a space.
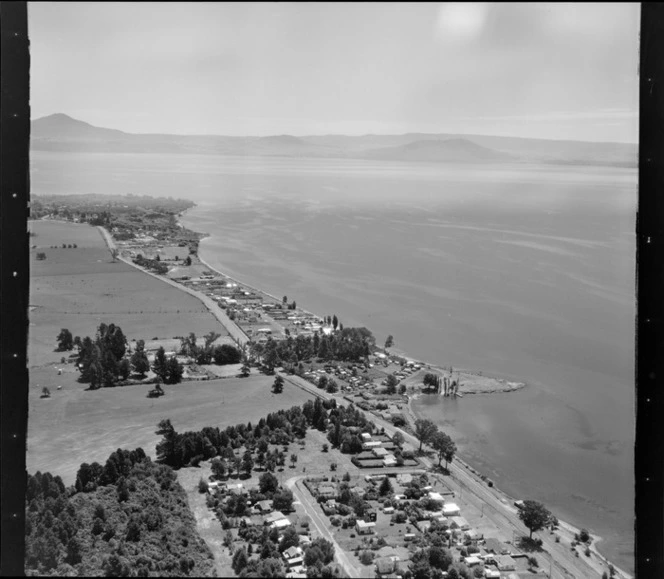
412, 415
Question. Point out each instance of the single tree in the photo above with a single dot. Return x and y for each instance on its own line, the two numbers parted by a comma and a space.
139, 359
392, 384
331, 387
293, 460
442, 444
534, 515
335, 322
219, 468
46, 393
398, 439
160, 366
424, 430
124, 368
174, 371
278, 386
385, 487
268, 483
389, 341
245, 370
65, 340
247, 463
187, 261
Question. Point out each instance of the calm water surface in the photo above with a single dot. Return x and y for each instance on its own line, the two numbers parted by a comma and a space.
526, 272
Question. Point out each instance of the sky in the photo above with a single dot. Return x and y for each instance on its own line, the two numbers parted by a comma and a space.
556, 71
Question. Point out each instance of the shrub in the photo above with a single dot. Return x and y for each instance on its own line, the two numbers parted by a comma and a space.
532, 561
203, 486
587, 551
366, 558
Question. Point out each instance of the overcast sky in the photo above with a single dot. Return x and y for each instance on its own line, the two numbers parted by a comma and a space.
561, 71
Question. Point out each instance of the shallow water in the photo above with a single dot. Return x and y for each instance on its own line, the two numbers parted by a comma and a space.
523, 271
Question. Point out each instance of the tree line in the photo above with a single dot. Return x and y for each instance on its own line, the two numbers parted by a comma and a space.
347, 344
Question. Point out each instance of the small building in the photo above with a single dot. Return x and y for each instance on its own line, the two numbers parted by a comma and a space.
371, 444
390, 460
293, 556
388, 510
264, 506
472, 560
404, 479
280, 524
409, 537
423, 525
365, 436
492, 545
491, 573
460, 523
327, 491
275, 516
505, 563
380, 452
436, 497
451, 510
364, 527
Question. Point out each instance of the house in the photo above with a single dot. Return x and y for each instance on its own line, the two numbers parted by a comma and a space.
385, 565
263, 506
388, 510
293, 556
364, 528
404, 479
505, 563
277, 520
390, 460
280, 524
451, 510
366, 437
492, 545
304, 539
460, 523
327, 491
472, 535
380, 452
423, 525
472, 560
436, 497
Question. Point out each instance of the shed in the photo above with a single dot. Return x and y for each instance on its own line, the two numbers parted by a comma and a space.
380, 452
388, 510
366, 437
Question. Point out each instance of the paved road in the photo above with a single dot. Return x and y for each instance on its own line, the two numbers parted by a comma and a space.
231, 327
322, 524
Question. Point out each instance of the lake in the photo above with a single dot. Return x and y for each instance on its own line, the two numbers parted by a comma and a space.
526, 272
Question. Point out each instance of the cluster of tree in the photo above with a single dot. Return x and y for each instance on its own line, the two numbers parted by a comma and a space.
285, 304
152, 264
347, 424
167, 368
41, 255
433, 382
101, 361
317, 555
189, 448
127, 518
206, 354
427, 432
348, 344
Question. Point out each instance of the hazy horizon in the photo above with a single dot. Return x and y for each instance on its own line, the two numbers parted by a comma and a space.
331, 134
546, 71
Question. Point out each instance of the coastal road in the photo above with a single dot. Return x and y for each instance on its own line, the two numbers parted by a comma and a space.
231, 327
319, 520
563, 564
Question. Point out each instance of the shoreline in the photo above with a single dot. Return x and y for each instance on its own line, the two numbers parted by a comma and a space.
412, 415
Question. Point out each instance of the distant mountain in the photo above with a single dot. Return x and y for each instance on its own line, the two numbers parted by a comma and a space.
436, 151
61, 132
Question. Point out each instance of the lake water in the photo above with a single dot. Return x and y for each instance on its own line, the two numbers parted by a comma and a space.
523, 272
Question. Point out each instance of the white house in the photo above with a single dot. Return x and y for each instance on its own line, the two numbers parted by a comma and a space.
364, 528
436, 497
451, 510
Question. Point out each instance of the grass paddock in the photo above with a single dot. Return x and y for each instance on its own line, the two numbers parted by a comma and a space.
76, 425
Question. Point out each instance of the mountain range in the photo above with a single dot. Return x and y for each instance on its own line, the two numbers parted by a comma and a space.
60, 132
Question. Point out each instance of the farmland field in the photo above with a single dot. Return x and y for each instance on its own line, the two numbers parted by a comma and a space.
77, 425
78, 288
